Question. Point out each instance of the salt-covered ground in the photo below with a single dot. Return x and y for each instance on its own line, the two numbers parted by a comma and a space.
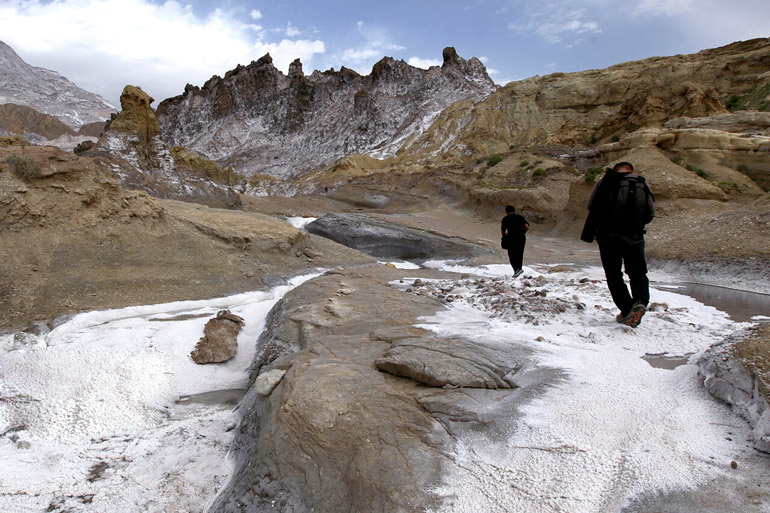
91, 417
614, 427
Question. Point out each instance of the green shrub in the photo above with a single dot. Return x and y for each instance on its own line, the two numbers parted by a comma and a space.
479, 160
494, 160
538, 173
23, 167
524, 163
615, 138
700, 172
732, 102
511, 146
592, 173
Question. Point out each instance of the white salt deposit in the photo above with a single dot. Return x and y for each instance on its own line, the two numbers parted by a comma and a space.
300, 222
613, 426
88, 413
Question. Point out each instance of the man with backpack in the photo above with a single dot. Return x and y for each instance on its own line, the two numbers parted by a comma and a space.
620, 206
514, 227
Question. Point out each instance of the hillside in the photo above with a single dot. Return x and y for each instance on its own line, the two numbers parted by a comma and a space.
48, 92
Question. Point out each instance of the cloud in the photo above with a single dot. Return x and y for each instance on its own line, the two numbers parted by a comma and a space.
418, 62
663, 7
103, 45
292, 31
554, 21
377, 44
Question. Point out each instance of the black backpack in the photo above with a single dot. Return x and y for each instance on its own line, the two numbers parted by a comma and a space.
627, 209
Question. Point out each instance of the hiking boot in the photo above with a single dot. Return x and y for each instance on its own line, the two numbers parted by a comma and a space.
518, 273
634, 317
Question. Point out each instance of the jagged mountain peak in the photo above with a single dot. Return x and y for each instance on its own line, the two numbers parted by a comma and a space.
259, 120
48, 92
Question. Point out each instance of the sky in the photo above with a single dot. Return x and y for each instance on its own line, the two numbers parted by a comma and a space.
103, 45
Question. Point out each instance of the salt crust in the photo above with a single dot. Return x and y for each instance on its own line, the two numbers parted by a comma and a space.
613, 427
89, 411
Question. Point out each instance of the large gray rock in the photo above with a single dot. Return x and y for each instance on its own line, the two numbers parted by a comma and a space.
730, 376
447, 362
220, 339
382, 239
336, 434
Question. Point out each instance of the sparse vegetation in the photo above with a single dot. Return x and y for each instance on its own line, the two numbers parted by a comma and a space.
729, 186
732, 102
615, 138
592, 173
511, 146
524, 163
743, 168
23, 167
756, 99
538, 173
14, 140
494, 160
210, 169
479, 160
700, 172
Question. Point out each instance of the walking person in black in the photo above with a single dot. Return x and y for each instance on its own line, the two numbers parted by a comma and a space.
620, 206
514, 227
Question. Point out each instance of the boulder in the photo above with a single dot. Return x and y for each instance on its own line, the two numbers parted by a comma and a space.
380, 238
737, 371
447, 362
220, 339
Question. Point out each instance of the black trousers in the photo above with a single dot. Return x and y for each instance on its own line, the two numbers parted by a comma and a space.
516, 250
616, 255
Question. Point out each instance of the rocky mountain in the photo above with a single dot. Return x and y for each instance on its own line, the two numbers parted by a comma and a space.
48, 92
600, 106
133, 149
259, 120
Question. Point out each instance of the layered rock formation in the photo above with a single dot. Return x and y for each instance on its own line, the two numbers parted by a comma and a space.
259, 120
72, 239
580, 109
133, 148
48, 92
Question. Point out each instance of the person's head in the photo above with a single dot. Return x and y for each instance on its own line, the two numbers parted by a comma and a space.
623, 167
510, 209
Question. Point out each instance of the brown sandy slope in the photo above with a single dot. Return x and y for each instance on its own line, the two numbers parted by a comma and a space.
73, 240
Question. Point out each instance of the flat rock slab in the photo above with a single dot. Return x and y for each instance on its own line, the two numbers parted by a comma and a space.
220, 339
447, 362
379, 238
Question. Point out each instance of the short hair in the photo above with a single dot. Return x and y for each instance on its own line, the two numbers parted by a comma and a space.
510, 209
623, 164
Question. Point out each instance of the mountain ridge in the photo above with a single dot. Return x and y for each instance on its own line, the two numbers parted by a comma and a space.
48, 92
259, 120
